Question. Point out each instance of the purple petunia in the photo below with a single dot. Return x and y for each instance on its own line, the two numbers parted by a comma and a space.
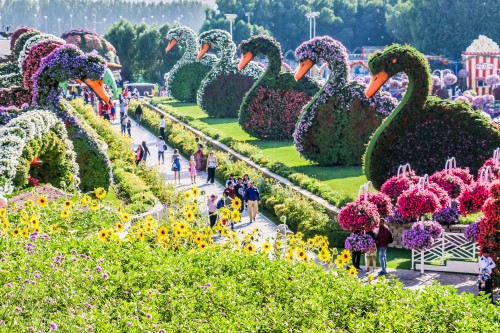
471, 232
357, 242
422, 235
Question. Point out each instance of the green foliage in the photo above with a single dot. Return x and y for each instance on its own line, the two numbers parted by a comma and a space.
425, 131
18, 47
187, 81
8, 68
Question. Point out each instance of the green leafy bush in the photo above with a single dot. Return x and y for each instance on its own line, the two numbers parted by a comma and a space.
187, 81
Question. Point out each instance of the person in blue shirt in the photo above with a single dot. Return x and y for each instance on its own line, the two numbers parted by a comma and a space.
252, 198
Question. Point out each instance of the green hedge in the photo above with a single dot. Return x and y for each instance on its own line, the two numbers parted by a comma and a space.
336, 198
302, 214
187, 81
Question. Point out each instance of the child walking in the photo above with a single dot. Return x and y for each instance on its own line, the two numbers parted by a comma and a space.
192, 170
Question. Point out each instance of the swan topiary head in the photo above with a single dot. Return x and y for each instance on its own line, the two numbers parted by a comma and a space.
215, 39
182, 35
321, 49
393, 60
258, 45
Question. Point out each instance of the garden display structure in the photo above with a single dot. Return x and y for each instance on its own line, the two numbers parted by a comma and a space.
338, 121
422, 130
184, 79
222, 90
271, 108
46, 62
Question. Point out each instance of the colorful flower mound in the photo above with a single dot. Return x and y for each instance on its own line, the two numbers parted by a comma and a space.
33, 58
30, 43
358, 216
16, 97
15, 36
222, 90
464, 174
471, 232
271, 108
416, 202
334, 128
88, 41
452, 184
383, 203
275, 120
66, 62
396, 185
21, 41
441, 194
397, 218
422, 235
495, 167
359, 242
447, 215
473, 197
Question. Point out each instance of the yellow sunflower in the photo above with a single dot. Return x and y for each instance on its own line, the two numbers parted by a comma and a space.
53, 228
224, 232
225, 213
65, 213
182, 226
85, 200
236, 203
178, 233
187, 195
16, 232
346, 256
198, 239
202, 245
25, 232
42, 201
119, 226
38, 230
125, 217
95, 205
140, 235
235, 216
103, 235
68, 204
149, 218
339, 262
162, 232
266, 247
34, 221
353, 271
301, 253
250, 248
189, 216
100, 193
195, 191
3, 212
148, 225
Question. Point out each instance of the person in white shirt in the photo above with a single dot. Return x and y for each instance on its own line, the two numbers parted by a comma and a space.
162, 146
162, 126
486, 268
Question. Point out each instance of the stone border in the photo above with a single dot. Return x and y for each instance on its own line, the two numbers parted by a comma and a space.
331, 210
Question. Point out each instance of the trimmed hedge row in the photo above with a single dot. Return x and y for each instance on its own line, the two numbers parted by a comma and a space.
302, 215
336, 198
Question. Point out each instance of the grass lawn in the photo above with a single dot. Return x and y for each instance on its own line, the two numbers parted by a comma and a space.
346, 179
396, 258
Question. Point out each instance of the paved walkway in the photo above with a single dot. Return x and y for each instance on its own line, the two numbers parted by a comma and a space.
411, 278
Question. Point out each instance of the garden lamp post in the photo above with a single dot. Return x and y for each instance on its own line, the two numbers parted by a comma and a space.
45, 17
85, 21
248, 14
152, 17
34, 15
71, 21
163, 19
59, 26
309, 16
231, 18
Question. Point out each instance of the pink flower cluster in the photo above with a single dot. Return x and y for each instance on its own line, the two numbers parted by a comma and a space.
416, 202
358, 216
473, 197
396, 185
449, 182
382, 202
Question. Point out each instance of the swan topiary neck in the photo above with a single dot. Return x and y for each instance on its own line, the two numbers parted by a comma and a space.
267, 46
221, 40
186, 38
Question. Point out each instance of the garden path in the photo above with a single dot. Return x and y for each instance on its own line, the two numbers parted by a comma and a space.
266, 227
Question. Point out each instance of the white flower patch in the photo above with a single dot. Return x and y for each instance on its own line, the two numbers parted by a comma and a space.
483, 44
227, 64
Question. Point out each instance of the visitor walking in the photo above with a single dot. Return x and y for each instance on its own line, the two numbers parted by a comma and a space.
176, 166
124, 106
252, 198
383, 237
162, 126
356, 255
139, 155
212, 210
231, 180
199, 158
192, 170
486, 268
129, 128
124, 124
138, 114
146, 151
246, 180
113, 111
240, 192
161, 146
371, 257
211, 166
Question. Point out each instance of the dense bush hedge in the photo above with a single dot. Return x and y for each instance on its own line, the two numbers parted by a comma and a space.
425, 131
187, 81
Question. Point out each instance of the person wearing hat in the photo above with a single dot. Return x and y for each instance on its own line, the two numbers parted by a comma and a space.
486, 267
252, 198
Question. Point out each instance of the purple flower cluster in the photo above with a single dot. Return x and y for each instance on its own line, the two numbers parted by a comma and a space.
359, 242
463, 74
7, 113
421, 236
492, 80
397, 218
449, 79
471, 233
447, 215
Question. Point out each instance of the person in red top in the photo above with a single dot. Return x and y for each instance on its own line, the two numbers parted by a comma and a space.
383, 237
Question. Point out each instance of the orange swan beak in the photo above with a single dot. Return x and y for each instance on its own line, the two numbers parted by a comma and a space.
171, 45
245, 59
376, 82
97, 86
204, 49
304, 67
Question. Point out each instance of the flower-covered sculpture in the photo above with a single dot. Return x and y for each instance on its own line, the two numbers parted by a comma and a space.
422, 130
222, 90
271, 108
337, 123
33, 58
184, 79
30, 43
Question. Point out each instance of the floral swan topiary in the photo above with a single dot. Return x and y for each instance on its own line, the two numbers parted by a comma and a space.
184, 79
272, 106
222, 90
337, 123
